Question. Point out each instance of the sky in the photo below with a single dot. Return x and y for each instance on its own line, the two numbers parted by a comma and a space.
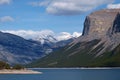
55, 15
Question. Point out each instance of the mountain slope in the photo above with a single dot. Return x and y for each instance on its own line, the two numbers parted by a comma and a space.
67, 58
14, 49
82, 58
99, 44
17, 50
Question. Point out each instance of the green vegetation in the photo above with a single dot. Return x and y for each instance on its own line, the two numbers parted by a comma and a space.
4, 65
18, 67
80, 55
109, 59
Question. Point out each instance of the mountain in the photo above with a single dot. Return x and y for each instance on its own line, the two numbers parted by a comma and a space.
14, 49
99, 45
43, 35
17, 50
47, 39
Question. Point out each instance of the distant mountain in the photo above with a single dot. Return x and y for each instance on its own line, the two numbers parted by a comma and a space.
43, 35
99, 45
14, 49
17, 50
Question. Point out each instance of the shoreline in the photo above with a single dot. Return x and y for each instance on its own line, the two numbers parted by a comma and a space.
81, 68
23, 71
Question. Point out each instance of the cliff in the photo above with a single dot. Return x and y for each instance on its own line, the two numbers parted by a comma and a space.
103, 25
99, 45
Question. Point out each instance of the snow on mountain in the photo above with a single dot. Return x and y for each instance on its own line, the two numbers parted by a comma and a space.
43, 35
76, 34
64, 36
16, 49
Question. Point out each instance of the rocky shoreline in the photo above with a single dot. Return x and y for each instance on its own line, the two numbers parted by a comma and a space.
23, 71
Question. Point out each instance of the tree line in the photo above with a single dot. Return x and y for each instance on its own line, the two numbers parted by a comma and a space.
4, 65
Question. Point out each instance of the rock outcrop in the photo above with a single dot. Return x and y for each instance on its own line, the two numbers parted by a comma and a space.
99, 45
103, 25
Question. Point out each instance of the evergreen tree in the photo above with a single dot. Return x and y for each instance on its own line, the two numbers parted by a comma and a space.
18, 67
4, 65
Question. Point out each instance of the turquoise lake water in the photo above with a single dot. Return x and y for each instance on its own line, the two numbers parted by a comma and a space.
67, 74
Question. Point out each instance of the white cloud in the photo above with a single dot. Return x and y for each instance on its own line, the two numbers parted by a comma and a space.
113, 6
45, 3
70, 7
6, 19
43, 34
5, 2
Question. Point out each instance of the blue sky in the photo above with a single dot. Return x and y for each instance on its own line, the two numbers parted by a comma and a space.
55, 15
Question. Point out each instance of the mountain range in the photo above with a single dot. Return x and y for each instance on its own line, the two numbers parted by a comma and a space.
18, 50
43, 35
99, 45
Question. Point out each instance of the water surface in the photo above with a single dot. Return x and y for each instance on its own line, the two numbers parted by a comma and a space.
67, 74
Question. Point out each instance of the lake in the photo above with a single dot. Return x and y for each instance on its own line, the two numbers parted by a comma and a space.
67, 74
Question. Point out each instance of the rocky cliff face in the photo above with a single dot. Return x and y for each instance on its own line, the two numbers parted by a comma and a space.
103, 25
98, 46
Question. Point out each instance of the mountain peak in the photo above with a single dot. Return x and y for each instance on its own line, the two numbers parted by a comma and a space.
103, 25
99, 23
98, 46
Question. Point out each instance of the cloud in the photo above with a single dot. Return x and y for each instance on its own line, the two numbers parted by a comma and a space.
44, 3
43, 34
5, 2
6, 19
113, 6
70, 7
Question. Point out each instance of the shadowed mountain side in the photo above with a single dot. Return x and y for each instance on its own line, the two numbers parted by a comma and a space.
17, 50
99, 44
84, 56
14, 49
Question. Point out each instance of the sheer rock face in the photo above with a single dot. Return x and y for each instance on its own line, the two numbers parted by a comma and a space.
103, 25
99, 43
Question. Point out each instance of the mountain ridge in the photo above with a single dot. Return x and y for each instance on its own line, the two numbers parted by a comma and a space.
17, 50
97, 47
102, 27
43, 35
